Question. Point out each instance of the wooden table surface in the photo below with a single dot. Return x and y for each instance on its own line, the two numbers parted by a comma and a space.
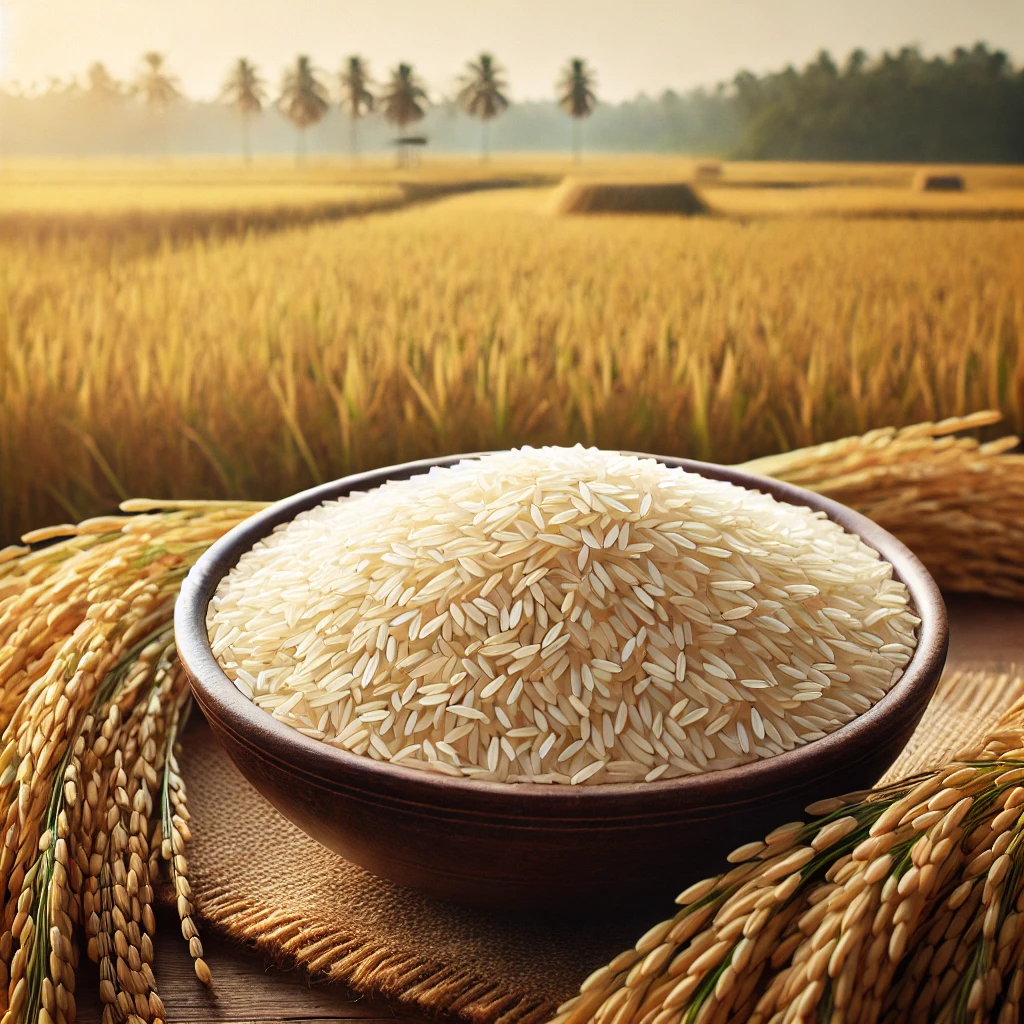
248, 989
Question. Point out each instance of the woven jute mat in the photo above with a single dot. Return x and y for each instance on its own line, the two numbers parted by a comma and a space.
257, 878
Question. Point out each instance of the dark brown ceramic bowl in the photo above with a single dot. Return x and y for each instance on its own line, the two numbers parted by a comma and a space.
534, 846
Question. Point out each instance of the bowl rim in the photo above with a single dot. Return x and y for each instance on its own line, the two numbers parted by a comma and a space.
321, 762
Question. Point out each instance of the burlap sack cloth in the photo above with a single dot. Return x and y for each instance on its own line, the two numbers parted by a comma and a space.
259, 879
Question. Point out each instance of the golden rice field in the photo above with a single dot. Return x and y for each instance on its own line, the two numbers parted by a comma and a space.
162, 333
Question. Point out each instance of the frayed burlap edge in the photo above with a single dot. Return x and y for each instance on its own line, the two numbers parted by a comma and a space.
414, 982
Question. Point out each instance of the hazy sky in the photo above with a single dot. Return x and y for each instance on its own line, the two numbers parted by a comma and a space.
635, 45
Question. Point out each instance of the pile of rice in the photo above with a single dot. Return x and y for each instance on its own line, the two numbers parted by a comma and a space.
562, 616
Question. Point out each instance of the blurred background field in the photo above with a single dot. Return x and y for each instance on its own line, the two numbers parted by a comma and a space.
71, 186
197, 328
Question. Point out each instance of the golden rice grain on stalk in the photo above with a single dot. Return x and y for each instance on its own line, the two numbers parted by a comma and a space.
702, 336
93, 700
955, 502
821, 311
890, 918
83, 750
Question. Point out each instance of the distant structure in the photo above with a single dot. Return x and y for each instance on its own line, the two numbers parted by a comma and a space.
581, 196
409, 148
941, 181
708, 170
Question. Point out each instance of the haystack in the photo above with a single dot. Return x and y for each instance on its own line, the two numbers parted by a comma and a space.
669, 197
938, 181
707, 170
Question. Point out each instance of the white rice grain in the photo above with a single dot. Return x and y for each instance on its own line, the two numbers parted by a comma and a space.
565, 616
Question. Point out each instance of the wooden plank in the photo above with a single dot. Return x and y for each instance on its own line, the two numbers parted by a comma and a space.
985, 630
247, 990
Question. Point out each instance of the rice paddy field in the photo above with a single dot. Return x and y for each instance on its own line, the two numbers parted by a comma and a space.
210, 330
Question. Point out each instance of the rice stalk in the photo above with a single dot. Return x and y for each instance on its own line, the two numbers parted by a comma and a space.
687, 336
91, 798
93, 696
896, 904
954, 501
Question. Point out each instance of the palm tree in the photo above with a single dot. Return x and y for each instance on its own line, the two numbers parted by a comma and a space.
158, 88
482, 93
101, 83
303, 99
244, 90
404, 101
356, 97
155, 84
576, 96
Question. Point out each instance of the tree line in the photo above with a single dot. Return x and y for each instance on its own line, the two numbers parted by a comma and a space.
305, 95
966, 106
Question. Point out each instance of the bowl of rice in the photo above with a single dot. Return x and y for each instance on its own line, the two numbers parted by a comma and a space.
557, 677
